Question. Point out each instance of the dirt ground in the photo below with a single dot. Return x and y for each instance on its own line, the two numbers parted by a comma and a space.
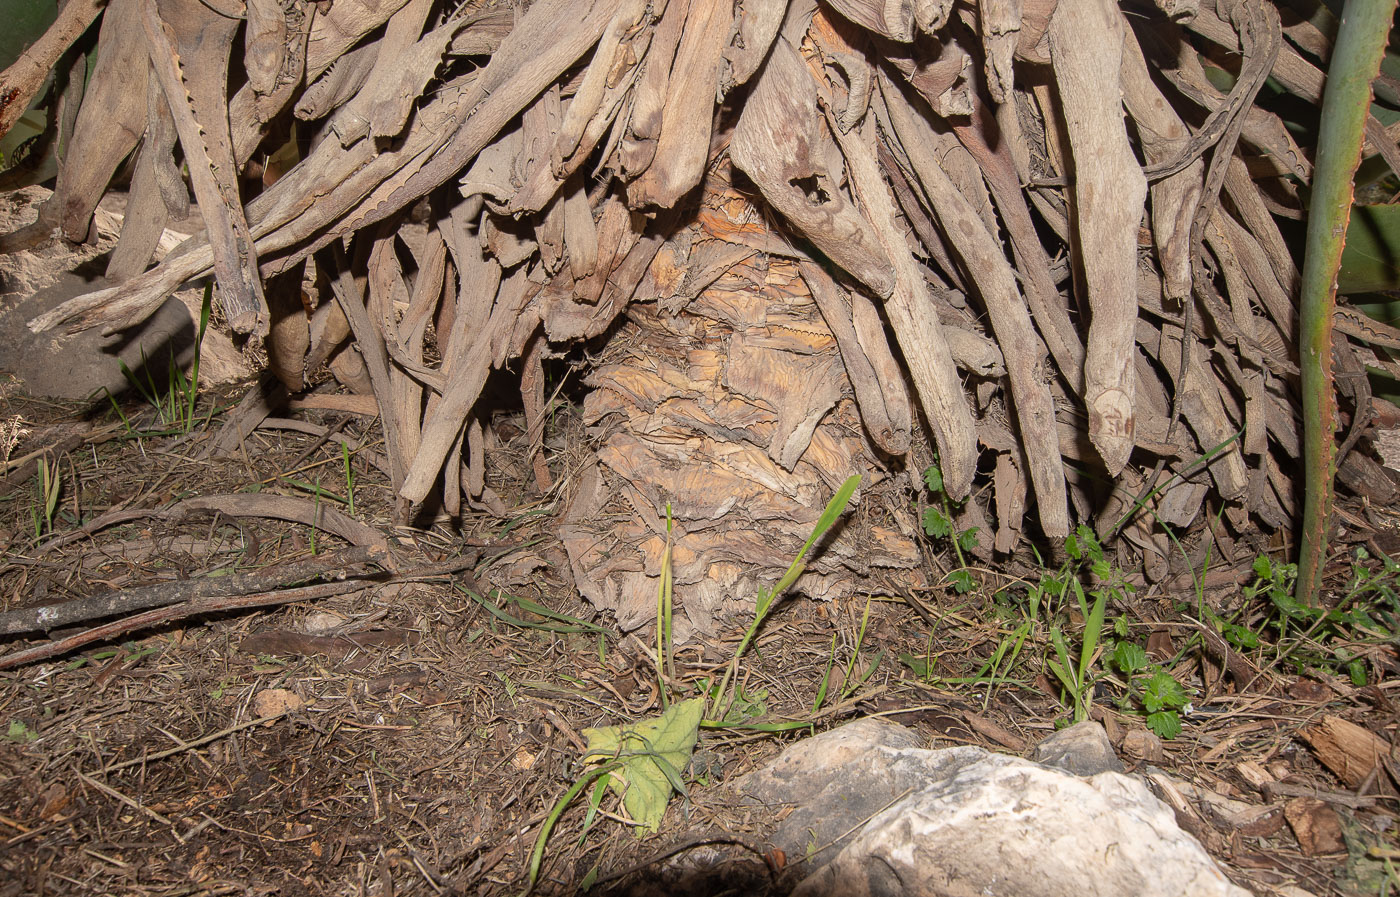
411, 732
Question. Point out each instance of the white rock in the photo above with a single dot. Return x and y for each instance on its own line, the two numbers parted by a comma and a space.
962, 821
1006, 826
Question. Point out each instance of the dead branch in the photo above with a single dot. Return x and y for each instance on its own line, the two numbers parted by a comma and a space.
55, 616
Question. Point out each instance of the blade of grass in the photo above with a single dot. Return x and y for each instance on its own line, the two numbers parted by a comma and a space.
562, 804
349, 478
1093, 626
572, 624
826, 676
193, 393
1181, 474
767, 599
664, 666
313, 489
52, 486
846, 684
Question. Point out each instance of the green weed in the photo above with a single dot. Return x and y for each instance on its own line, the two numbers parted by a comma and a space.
742, 708
938, 524
50, 488
175, 404
826, 677
556, 622
1075, 672
1161, 697
644, 762
1313, 635
598, 777
315, 490
770, 598
849, 681
1151, 690
1062, 621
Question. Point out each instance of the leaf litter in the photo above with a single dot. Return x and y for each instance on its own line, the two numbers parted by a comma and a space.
419, 738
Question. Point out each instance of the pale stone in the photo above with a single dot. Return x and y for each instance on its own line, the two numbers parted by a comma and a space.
872, 813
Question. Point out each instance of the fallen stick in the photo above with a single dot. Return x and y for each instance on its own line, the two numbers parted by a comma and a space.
52, 616
176, 612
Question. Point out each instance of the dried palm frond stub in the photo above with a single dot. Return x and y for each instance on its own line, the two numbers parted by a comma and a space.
1039, 232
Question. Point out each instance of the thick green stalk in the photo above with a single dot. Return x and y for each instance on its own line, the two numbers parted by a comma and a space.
1356, 58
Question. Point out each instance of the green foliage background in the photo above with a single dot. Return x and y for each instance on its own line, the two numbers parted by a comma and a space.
24, 22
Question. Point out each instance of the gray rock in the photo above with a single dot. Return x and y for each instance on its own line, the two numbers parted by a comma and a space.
82, 365
1083, 749
838, 779
874, 814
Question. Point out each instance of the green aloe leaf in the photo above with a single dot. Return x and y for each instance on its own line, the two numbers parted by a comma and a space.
1371, 257
1356, 58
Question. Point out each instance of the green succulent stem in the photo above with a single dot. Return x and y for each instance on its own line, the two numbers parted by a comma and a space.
1356, 59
